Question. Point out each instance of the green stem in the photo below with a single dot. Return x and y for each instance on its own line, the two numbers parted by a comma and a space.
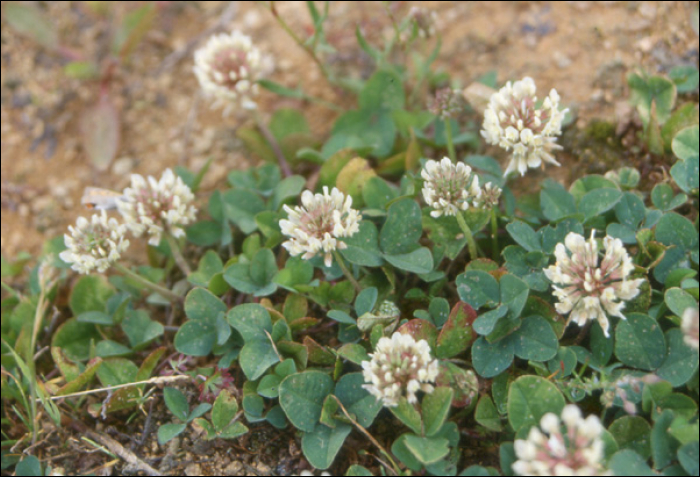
162, 291
177, 255
346, 271
39, 314
297, 40
450, 143
323, 102
281, 160
468, 234
494, 234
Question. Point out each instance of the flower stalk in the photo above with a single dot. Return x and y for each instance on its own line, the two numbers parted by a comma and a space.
494, 235
450, 142
346, 271
177, 255
471, 243
162, 291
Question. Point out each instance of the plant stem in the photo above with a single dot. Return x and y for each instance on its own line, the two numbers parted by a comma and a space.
156, 380
323, 102
297, 40
468, 234
494, 233
177, 255
450, 143
281, 160
162, 291
42, 305
368, 435
346, 271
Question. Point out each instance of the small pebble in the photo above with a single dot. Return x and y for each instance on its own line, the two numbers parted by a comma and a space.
562, 61
234, 468
193, 469
122, 166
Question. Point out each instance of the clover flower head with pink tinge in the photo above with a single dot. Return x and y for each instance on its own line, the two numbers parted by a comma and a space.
316, 227
514, 122
228, 68
400, 367
153, 206
590, 288
570, 445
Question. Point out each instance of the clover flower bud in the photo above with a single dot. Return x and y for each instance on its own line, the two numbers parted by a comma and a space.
490, 196
389, 308
447, 103
423, 21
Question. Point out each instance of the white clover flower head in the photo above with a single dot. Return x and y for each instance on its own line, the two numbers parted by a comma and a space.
689, 326
316, 226
95, 244
490, 196
154, 207
447, 103
228, 68
569, 445
449, 188
400, 367
513, 121
588, 288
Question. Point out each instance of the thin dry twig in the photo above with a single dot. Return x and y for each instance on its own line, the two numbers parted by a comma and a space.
371, 439
189, 126
117, 449
176, 56
158, 380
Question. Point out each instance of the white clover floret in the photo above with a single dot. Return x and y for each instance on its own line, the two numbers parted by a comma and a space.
316, 227
449, 188
95, 244
588, 288
400, 367
513, 121
154, 207
490, 196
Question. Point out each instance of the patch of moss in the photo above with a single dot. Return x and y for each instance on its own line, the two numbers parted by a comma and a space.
600, 130
596, 148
